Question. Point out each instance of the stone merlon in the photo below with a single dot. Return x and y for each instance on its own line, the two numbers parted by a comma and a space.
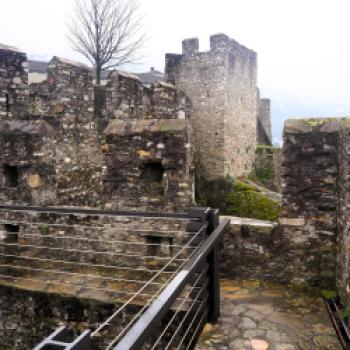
190, 46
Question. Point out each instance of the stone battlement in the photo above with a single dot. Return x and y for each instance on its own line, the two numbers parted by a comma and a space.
218, 42
59, 145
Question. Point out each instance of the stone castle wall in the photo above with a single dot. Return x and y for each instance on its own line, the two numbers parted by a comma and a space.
264, 134
310, 247
77, 269
14, 92
310, 175
221, 85
45, 312
315, 220
343, 222
60, 151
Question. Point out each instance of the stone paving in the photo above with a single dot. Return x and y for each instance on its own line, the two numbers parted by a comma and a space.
264, 316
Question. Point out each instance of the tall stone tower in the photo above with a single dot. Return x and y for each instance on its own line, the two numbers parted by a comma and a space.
221, 85
264, 122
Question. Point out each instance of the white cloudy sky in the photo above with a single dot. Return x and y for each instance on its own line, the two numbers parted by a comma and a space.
303, 45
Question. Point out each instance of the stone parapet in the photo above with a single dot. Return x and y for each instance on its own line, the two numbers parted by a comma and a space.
314, 209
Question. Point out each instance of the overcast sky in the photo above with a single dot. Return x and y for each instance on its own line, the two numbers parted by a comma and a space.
303, 46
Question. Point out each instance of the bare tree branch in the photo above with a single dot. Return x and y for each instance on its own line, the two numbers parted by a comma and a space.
107, 32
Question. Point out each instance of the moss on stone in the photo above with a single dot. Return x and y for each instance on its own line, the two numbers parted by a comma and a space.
265, 147
234, 197
318, 121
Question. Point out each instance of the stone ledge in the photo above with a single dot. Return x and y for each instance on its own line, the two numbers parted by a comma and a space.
20, 127
120, 73
292, 221
309, 125
69, 62
238, 221
132, 127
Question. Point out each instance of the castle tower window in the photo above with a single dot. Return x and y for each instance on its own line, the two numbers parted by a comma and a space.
11, 175
152, 172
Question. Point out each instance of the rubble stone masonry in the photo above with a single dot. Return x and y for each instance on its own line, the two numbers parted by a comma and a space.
314, 218
14, 92
134, 151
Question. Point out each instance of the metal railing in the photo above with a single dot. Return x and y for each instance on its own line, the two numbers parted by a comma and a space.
340, 325
174, 300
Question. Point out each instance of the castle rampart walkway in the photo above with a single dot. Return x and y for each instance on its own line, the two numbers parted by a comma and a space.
258, 315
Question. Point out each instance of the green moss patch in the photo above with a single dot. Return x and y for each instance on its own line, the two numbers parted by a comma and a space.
234, 197
263, 176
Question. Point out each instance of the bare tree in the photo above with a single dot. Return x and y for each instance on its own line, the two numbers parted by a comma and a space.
107, 32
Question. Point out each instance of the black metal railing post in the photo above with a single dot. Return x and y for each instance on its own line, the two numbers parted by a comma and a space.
212, 217
214, 270
202, 216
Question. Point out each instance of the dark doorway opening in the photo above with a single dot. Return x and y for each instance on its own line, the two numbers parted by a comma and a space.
153, 245
11, 232
11, 175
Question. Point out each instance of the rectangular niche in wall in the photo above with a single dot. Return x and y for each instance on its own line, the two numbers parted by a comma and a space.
152, 173
11, 175
159, 245
11, 233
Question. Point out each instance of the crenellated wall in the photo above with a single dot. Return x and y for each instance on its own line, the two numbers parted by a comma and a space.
61, 150
221, 85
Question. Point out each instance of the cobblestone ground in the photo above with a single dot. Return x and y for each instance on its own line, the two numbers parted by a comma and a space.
262, 316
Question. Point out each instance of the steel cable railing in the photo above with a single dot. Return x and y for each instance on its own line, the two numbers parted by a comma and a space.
171, 283
117, 312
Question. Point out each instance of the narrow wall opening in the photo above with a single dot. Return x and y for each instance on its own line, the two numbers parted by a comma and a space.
152, 172
11, 175
7, 103
11, 232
